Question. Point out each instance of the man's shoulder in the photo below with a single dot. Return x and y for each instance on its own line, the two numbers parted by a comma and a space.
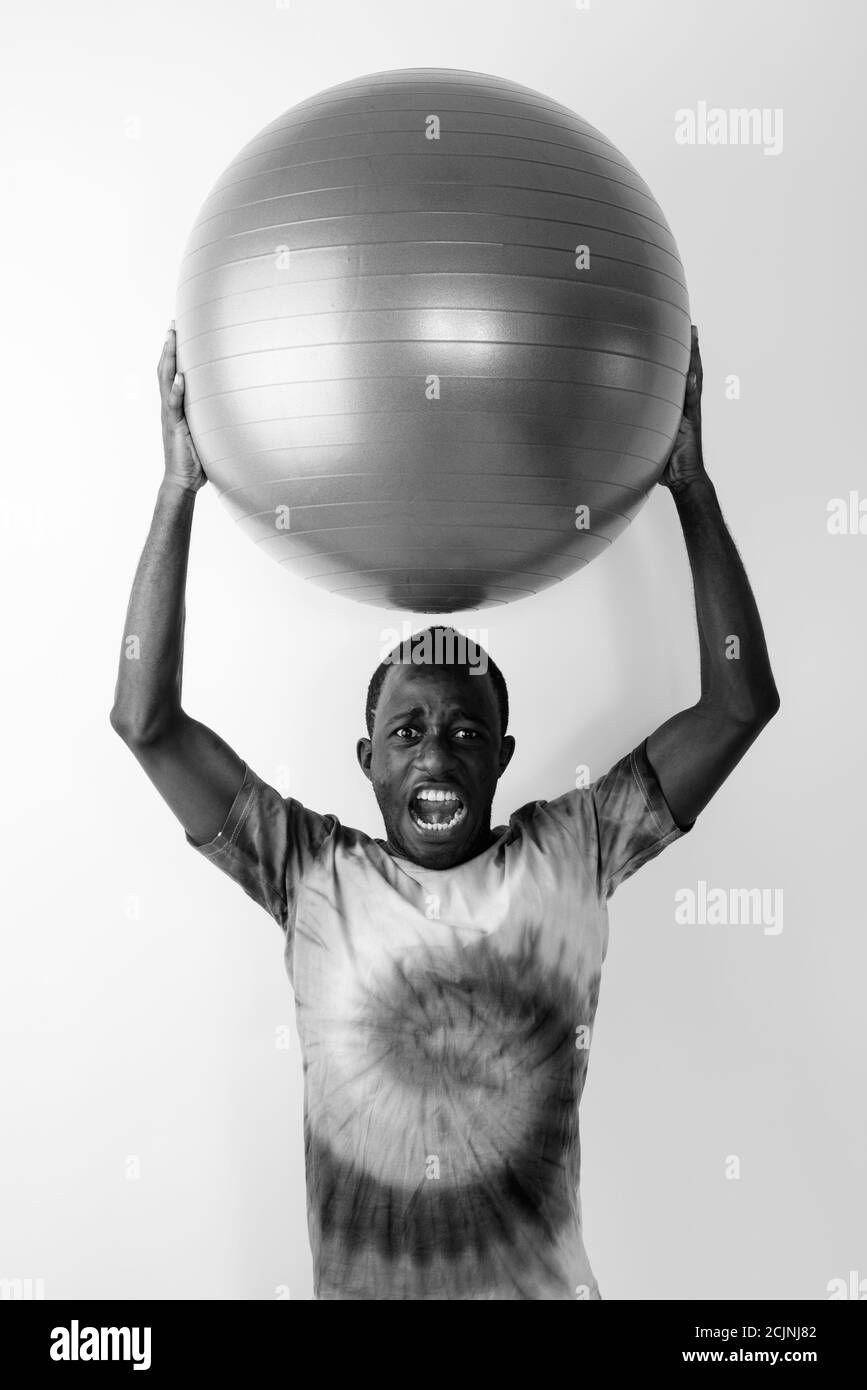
567, 814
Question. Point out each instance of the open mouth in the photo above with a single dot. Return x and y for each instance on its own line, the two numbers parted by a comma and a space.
436, 811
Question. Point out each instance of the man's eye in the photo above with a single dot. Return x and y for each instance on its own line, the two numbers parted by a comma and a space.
405, 730
466, 733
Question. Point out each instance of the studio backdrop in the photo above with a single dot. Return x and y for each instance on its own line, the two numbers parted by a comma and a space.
151, 1096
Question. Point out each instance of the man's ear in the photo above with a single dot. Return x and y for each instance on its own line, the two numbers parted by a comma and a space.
364, 752
507, 748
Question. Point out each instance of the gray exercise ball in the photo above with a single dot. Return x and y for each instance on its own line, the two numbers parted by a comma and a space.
435, 331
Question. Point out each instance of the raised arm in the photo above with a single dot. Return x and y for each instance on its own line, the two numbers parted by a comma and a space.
694, 752
192, 768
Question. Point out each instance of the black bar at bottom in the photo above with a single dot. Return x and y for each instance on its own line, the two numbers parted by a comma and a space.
66, 1337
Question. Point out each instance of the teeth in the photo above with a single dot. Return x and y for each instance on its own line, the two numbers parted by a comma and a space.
430, 794
446, 825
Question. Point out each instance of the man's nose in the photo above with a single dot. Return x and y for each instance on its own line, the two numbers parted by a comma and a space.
435, 756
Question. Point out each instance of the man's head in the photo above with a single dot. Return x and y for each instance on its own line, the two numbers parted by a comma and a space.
437, 712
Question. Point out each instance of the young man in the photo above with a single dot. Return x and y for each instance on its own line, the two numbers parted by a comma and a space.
445, 977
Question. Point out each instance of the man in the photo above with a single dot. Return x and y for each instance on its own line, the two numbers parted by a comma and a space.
446, 977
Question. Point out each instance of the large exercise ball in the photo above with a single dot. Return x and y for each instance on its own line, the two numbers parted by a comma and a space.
403, 376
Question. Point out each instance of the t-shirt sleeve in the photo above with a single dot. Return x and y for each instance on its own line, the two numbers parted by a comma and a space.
621, 820
266, 845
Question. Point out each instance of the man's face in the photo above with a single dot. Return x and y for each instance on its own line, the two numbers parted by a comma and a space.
434, 761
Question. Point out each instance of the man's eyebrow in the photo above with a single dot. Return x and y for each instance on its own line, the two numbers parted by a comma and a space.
408, 714
470, 718
418, 713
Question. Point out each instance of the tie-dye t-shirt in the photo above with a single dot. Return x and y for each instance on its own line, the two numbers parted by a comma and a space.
445, 1019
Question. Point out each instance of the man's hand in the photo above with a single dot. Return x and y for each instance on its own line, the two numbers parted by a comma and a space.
694, 752
685, 462
192, 768
182, 461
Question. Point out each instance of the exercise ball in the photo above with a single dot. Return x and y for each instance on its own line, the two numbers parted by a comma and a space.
435, 331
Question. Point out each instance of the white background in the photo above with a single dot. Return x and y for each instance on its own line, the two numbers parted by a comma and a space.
141, 993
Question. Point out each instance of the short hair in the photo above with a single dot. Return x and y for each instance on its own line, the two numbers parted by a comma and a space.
402, 655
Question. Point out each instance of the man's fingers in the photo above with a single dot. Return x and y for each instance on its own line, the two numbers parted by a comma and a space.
167, 368
167, 365
175, 398
695, 355
694, 375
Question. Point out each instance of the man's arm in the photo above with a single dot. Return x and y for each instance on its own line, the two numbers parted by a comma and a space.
693, 753
192, 768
